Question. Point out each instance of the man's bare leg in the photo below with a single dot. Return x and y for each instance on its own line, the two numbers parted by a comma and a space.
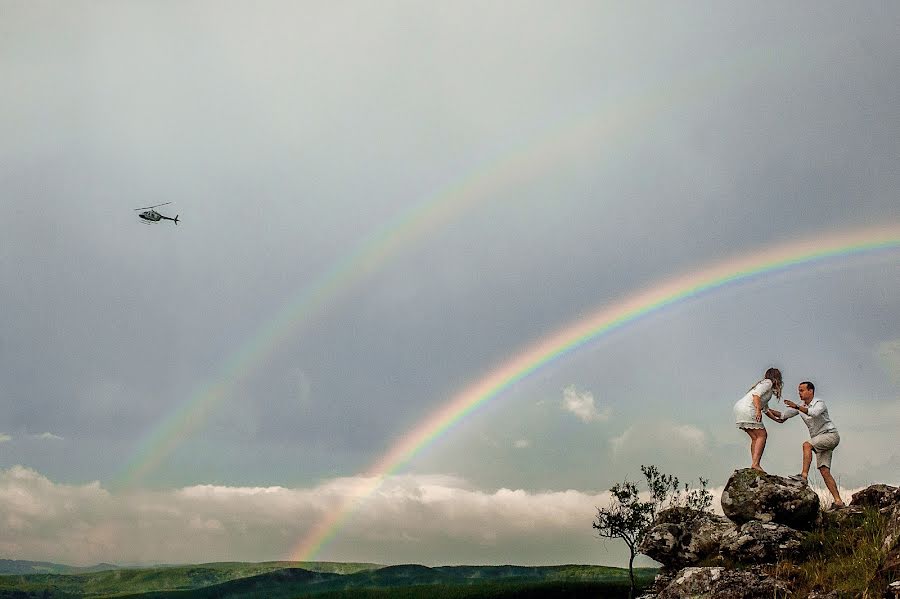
825, 471
807, 459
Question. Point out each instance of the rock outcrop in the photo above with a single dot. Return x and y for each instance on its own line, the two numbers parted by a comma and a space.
767, 517
877, 496
752, 495
721, 583
682, 537
758, 542
890, 564
892, 530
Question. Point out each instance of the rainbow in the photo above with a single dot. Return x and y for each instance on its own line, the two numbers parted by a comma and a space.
602, 322
615, 123
373, 252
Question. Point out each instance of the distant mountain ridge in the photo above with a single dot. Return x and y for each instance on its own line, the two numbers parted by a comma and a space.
416, 579
19, 566
286, 580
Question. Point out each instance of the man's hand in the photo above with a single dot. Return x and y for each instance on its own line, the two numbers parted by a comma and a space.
791, 404
775, 415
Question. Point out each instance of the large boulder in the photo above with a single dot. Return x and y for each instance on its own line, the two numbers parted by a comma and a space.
683, 537
850, 516
893, 589
753, 495
720, 583
758, 542
889, 568
664, 577
892, 529
877, 496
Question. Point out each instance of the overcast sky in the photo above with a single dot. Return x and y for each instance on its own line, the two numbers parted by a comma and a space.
450, 183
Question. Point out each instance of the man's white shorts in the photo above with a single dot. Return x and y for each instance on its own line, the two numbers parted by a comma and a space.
823, 445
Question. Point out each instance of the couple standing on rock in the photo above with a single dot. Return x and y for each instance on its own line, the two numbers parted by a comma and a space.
823, 435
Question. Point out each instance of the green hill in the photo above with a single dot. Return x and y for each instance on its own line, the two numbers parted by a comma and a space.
122, 581
416, 581
286, 580
12, 566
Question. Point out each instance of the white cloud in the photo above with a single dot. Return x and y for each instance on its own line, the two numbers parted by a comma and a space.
664, 435
4, 438
622, 440
423, 519
690, 435
581, 403
888, 355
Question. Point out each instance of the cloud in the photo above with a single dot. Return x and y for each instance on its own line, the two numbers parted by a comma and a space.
888, 355
581, 403
622, 440
689, 434
408, 518
4, 438
665, 435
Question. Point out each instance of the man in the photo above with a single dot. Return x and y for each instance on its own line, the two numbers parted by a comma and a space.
823, 436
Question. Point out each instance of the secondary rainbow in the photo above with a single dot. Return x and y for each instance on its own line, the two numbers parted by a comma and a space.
479, 185
602, 322
617, 123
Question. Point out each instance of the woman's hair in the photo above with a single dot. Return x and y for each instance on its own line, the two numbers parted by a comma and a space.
774, 375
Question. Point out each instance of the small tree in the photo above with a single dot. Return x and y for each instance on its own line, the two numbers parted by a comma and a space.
627, 517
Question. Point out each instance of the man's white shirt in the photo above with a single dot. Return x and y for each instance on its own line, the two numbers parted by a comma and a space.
816, 418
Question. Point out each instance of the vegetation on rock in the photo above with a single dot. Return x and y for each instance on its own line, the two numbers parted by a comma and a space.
852, 552
628, 517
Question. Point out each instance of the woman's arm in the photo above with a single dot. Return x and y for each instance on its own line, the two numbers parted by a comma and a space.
757, 403
775, 415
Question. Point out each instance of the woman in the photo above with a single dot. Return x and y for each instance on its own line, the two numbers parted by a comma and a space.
749, 409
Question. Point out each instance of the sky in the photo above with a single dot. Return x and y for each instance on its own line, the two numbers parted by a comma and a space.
388, 325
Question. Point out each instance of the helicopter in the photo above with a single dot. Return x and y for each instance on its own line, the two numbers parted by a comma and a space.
152, 216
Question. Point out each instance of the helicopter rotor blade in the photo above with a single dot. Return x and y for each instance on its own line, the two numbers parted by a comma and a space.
151, 207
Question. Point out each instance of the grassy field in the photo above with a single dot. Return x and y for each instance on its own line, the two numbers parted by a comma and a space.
117, 582
844, 556
494, 590
277, 580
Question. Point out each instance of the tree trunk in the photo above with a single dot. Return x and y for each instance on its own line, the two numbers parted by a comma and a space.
631, 575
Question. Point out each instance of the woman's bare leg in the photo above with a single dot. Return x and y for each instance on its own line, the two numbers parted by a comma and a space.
757, 446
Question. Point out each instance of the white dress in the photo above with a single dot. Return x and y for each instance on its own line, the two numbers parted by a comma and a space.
745, 411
